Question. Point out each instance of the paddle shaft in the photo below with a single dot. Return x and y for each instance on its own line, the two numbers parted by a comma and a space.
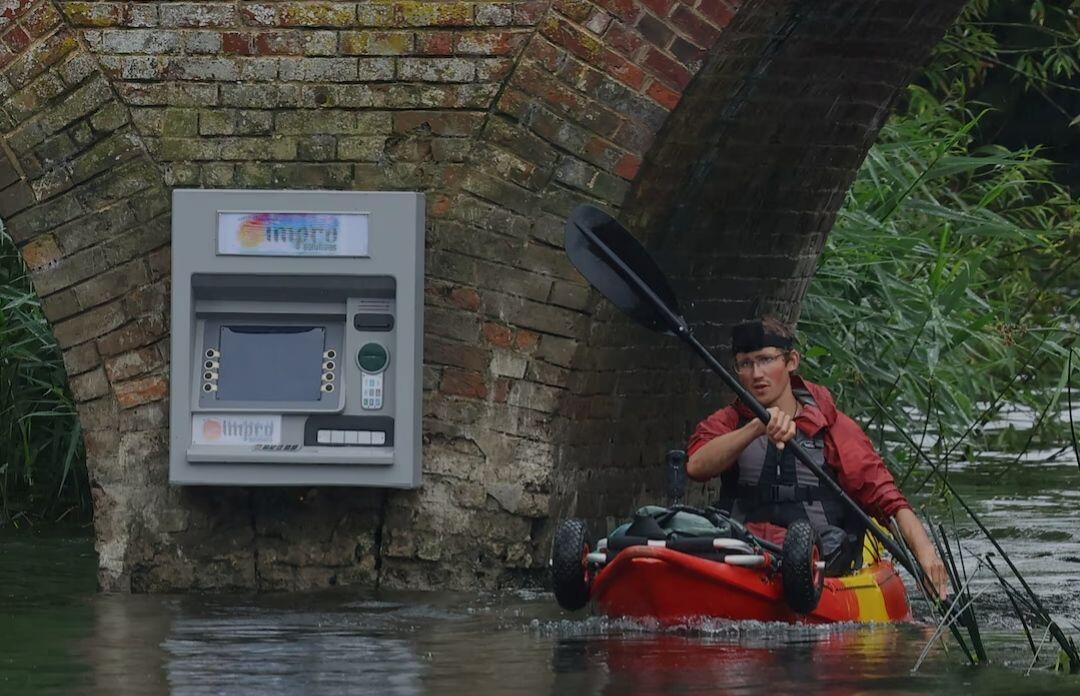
680, 328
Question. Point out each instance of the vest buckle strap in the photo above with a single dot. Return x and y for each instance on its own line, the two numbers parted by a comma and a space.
782, 494
777, 493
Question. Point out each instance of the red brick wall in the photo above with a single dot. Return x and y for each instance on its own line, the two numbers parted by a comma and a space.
725, 132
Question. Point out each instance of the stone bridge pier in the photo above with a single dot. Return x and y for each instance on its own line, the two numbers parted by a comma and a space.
724, 132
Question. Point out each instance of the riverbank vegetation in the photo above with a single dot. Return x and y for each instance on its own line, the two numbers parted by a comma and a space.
944, 311
949, 288
42, 469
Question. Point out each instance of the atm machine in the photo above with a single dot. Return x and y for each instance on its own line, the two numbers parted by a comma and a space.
296, 338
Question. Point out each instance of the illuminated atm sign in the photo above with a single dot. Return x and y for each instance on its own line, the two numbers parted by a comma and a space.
292, 234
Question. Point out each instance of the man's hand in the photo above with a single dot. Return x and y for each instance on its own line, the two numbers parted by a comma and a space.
936, 577
780, 428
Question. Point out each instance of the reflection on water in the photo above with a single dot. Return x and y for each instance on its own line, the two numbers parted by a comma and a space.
59, 637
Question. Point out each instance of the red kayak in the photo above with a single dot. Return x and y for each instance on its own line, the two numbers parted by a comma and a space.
649, 582
673, 581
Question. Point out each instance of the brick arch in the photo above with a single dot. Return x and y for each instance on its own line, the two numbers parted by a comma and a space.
507, 114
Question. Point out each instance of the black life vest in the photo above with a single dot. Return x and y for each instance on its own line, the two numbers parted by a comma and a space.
770, 485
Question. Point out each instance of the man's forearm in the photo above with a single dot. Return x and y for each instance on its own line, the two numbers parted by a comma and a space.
925, 553
721, 452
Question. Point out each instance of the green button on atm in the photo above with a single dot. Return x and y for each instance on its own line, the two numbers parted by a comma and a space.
372, 359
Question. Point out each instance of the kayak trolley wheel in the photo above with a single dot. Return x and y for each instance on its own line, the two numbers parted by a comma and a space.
569, 573
802, 578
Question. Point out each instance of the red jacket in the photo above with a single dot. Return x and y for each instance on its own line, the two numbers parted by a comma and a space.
860, 471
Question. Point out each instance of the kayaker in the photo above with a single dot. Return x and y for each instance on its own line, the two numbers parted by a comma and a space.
767, 489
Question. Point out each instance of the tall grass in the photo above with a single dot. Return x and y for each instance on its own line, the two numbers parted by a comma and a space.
42, 465
948, 287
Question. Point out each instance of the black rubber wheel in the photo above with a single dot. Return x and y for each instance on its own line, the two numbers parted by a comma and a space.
803, 580
569, 574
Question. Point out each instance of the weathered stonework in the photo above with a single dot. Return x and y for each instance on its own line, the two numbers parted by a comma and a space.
725, 132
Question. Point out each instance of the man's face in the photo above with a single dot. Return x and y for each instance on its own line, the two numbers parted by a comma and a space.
766, 373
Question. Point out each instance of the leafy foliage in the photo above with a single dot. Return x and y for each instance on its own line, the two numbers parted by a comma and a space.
947, 274
42, 471
948, 286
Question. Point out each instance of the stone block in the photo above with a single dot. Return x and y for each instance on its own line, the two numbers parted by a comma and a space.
180, 123
94, 228
22, 105
24, 225
253, 122
436, 69
217, 175
99, 414
198, 14
40, 253
202, 42
326, 70
495, 14
505, 363
89, 385
140, 332
440, 351
307, 175
204, 68
361, 148
39, 58
257, 69
117, 184
261, 96
105, 155
60, 305
433, 14
217, 122
300, 14
377, 43
463, 383
151, 416
111, 284
148, 41
80, 359
109, 118
136, 392
451, 324
90, 325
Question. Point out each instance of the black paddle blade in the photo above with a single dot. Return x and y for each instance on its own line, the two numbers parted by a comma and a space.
619, 267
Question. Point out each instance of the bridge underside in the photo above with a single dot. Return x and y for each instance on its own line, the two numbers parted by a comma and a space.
724, 133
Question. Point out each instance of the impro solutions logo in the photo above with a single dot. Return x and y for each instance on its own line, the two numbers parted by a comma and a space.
308, 234
293, 234
239, 429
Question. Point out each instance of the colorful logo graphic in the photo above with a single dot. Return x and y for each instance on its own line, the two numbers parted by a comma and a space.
293, 234
211, 430
251, 233
302, 232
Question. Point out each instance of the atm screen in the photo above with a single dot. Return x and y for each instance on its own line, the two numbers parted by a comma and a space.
271, 363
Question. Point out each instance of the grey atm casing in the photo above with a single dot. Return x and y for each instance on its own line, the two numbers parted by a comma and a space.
226, 307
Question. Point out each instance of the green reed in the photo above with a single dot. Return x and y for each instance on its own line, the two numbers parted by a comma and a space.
42, 466
949, 288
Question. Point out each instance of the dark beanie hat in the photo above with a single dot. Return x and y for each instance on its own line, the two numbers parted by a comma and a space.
752, 335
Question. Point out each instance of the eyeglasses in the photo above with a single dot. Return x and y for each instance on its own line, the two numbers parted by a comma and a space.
747, 366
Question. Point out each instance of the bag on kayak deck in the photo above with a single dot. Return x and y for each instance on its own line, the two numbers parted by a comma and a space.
655, 522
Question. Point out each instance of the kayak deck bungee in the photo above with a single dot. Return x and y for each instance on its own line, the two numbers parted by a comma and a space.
671, 587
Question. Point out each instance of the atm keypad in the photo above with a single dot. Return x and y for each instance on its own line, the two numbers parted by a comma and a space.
371, 397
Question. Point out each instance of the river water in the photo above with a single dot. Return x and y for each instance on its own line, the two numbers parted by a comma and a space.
58, 636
